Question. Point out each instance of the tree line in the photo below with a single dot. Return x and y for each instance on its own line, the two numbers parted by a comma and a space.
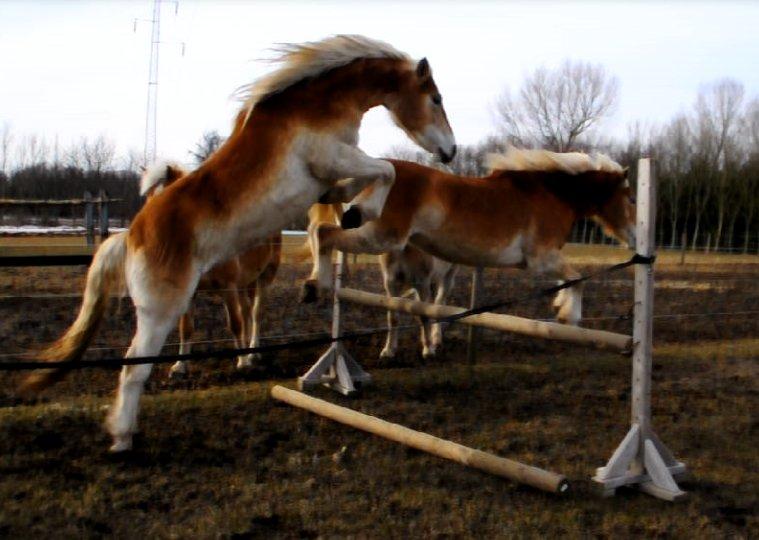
32, 168
707, 156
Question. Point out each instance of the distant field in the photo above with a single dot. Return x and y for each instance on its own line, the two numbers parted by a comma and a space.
217, 458
578, 253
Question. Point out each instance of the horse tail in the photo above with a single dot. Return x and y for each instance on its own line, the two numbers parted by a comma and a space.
106, 273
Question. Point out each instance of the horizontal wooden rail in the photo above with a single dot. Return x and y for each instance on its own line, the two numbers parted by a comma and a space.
46, 260
53, 202
495, 321
477, 459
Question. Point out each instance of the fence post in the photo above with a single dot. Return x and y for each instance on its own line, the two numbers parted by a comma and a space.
641, 458
89, 219
473, 332
683, 241
103, 213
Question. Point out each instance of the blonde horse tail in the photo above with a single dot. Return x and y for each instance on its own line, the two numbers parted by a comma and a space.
106, 273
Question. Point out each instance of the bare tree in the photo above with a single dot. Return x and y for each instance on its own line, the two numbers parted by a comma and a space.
96, 156
674, 153
718, 112
554, 108
209, 142
748, 186
6, 139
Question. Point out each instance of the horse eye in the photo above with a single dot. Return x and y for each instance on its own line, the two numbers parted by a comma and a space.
632, 199
437, 99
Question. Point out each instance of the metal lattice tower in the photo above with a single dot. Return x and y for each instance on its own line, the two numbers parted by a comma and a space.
152, 102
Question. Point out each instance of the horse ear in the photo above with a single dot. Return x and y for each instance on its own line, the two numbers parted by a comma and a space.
625, 172
423, 69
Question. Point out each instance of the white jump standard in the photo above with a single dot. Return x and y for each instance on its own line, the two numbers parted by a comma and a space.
336, 368
642, 459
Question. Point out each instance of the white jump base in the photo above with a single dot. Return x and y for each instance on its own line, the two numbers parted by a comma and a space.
470, 457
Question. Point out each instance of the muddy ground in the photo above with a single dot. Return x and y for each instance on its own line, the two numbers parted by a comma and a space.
217, 457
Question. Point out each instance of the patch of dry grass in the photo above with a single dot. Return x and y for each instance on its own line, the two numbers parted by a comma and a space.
231, 461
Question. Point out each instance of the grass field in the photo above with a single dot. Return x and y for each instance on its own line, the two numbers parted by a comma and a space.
216, 457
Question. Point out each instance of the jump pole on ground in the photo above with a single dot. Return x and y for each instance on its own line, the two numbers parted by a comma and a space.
477, 459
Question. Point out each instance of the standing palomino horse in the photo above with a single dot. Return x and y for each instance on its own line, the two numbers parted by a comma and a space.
241, 281
404, 271
518, 216
294, 144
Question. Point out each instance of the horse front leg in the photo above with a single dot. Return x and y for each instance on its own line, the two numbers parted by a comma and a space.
350, 173
568, 302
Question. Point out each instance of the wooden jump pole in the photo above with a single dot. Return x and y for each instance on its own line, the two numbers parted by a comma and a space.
642, 459
495, 321
477, 459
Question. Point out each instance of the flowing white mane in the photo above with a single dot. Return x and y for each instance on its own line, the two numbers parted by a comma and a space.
155, 175
542, 160
301, 61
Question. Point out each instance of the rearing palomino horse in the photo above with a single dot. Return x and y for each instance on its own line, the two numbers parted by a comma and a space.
518, 216
294, 143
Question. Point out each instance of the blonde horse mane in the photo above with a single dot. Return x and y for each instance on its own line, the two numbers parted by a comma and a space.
573, 163
300, 61
156, 175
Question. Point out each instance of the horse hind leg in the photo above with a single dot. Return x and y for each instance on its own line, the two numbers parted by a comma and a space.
251, 312
186, 330
393, 287
152, 330
425, 295
443, 287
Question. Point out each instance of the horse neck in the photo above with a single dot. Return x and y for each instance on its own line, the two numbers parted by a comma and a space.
585, 192
571, 191
339, 98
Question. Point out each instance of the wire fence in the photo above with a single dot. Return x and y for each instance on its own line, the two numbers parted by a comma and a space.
680, 302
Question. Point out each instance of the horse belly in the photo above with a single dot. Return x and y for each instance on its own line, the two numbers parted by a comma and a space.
472, 253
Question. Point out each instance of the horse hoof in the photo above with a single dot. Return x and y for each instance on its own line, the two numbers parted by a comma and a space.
387, 354
177, 375
309, 294
121, 444
351, 218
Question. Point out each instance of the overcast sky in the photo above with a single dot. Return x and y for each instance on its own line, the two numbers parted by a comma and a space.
71, 69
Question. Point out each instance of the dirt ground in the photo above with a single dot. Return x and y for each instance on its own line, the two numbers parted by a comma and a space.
217, 457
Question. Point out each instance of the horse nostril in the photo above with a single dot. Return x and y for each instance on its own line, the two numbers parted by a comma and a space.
446, 158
